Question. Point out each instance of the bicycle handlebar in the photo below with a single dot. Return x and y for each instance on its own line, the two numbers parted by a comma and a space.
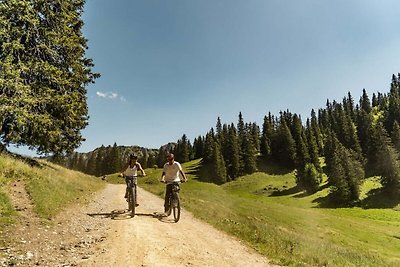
164, 182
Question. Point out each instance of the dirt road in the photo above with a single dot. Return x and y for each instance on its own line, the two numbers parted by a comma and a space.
151, 240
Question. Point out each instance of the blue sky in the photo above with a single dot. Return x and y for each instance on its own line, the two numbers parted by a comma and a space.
172, 67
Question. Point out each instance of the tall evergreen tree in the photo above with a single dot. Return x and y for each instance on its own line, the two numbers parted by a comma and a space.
43, 74
232, 158
396, 136
383, 159
218, 164
283, 145
266, 136
344, 172
365, 103
393, 110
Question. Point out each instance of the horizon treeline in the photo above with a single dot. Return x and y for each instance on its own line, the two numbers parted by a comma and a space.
355, 139
347, 141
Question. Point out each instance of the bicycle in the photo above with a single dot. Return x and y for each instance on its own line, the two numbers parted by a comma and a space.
174, 205
131, 193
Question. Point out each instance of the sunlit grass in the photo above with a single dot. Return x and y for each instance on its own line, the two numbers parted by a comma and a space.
289, 226
50, 186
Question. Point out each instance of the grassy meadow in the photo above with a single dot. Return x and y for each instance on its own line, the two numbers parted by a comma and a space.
265, 210
291, 228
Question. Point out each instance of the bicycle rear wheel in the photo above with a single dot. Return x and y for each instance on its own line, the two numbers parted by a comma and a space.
176, 207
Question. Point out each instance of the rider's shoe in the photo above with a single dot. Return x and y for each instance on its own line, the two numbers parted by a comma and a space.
137, 204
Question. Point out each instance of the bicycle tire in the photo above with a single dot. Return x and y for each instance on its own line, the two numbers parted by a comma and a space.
169, 208
176, 207
131, 201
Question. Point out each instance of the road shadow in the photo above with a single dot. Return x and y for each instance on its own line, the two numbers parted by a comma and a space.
162, 217
113, 215
126, 215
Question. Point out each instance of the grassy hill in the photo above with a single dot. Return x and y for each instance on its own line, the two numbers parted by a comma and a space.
270, 214
265, 210
49, 186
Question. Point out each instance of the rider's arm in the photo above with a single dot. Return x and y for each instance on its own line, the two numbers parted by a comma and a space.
183, 175
141, 169
162, 179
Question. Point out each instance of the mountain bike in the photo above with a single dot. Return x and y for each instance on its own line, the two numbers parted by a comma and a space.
174, 205
131, 193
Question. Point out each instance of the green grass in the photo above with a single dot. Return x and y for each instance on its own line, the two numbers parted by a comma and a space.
50, 186
287, 225
266, 210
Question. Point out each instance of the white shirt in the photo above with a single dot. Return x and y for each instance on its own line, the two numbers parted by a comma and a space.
131, 171
172, 172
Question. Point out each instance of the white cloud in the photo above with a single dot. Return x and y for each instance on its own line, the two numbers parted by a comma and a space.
110, 95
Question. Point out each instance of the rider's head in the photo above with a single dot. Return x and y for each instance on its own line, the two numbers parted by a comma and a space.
170, 157
132, 157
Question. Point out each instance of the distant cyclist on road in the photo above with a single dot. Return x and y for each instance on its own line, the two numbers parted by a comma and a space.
131, 172
172, 170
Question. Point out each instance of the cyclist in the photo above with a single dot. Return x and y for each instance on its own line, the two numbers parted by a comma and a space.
172, 170
131, 172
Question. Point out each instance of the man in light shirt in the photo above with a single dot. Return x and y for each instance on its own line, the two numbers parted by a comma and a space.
172, 170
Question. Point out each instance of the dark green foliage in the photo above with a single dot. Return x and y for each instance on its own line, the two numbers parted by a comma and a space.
309, 177
283, 145
198, 147
396, 136
393, 111
364, 120
43, 74
365, 104
266, 136
183, 149
344, 171
383, 159
218, 165
232, 154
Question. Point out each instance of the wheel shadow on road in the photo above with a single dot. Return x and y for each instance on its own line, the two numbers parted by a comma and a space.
113, 215
126, 215
162, 217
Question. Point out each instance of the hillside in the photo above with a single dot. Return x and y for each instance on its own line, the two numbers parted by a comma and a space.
266, 210
289, 226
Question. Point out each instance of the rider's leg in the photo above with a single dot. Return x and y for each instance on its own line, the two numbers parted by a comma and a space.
168, 191
137, 204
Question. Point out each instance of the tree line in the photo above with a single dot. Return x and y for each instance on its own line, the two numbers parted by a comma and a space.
347, 140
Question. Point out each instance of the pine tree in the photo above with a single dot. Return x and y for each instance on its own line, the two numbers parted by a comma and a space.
218, 164
232, 158
284, 146
182, 150
43, 74
266, 136
365, 103
344, 172
316, 132
249, 153
383, 159
396, 136
91, 165
198, 147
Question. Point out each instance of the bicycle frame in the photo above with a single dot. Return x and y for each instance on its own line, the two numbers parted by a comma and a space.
174, 202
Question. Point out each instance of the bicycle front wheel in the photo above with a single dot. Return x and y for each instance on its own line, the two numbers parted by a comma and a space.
176, 207
131, 201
